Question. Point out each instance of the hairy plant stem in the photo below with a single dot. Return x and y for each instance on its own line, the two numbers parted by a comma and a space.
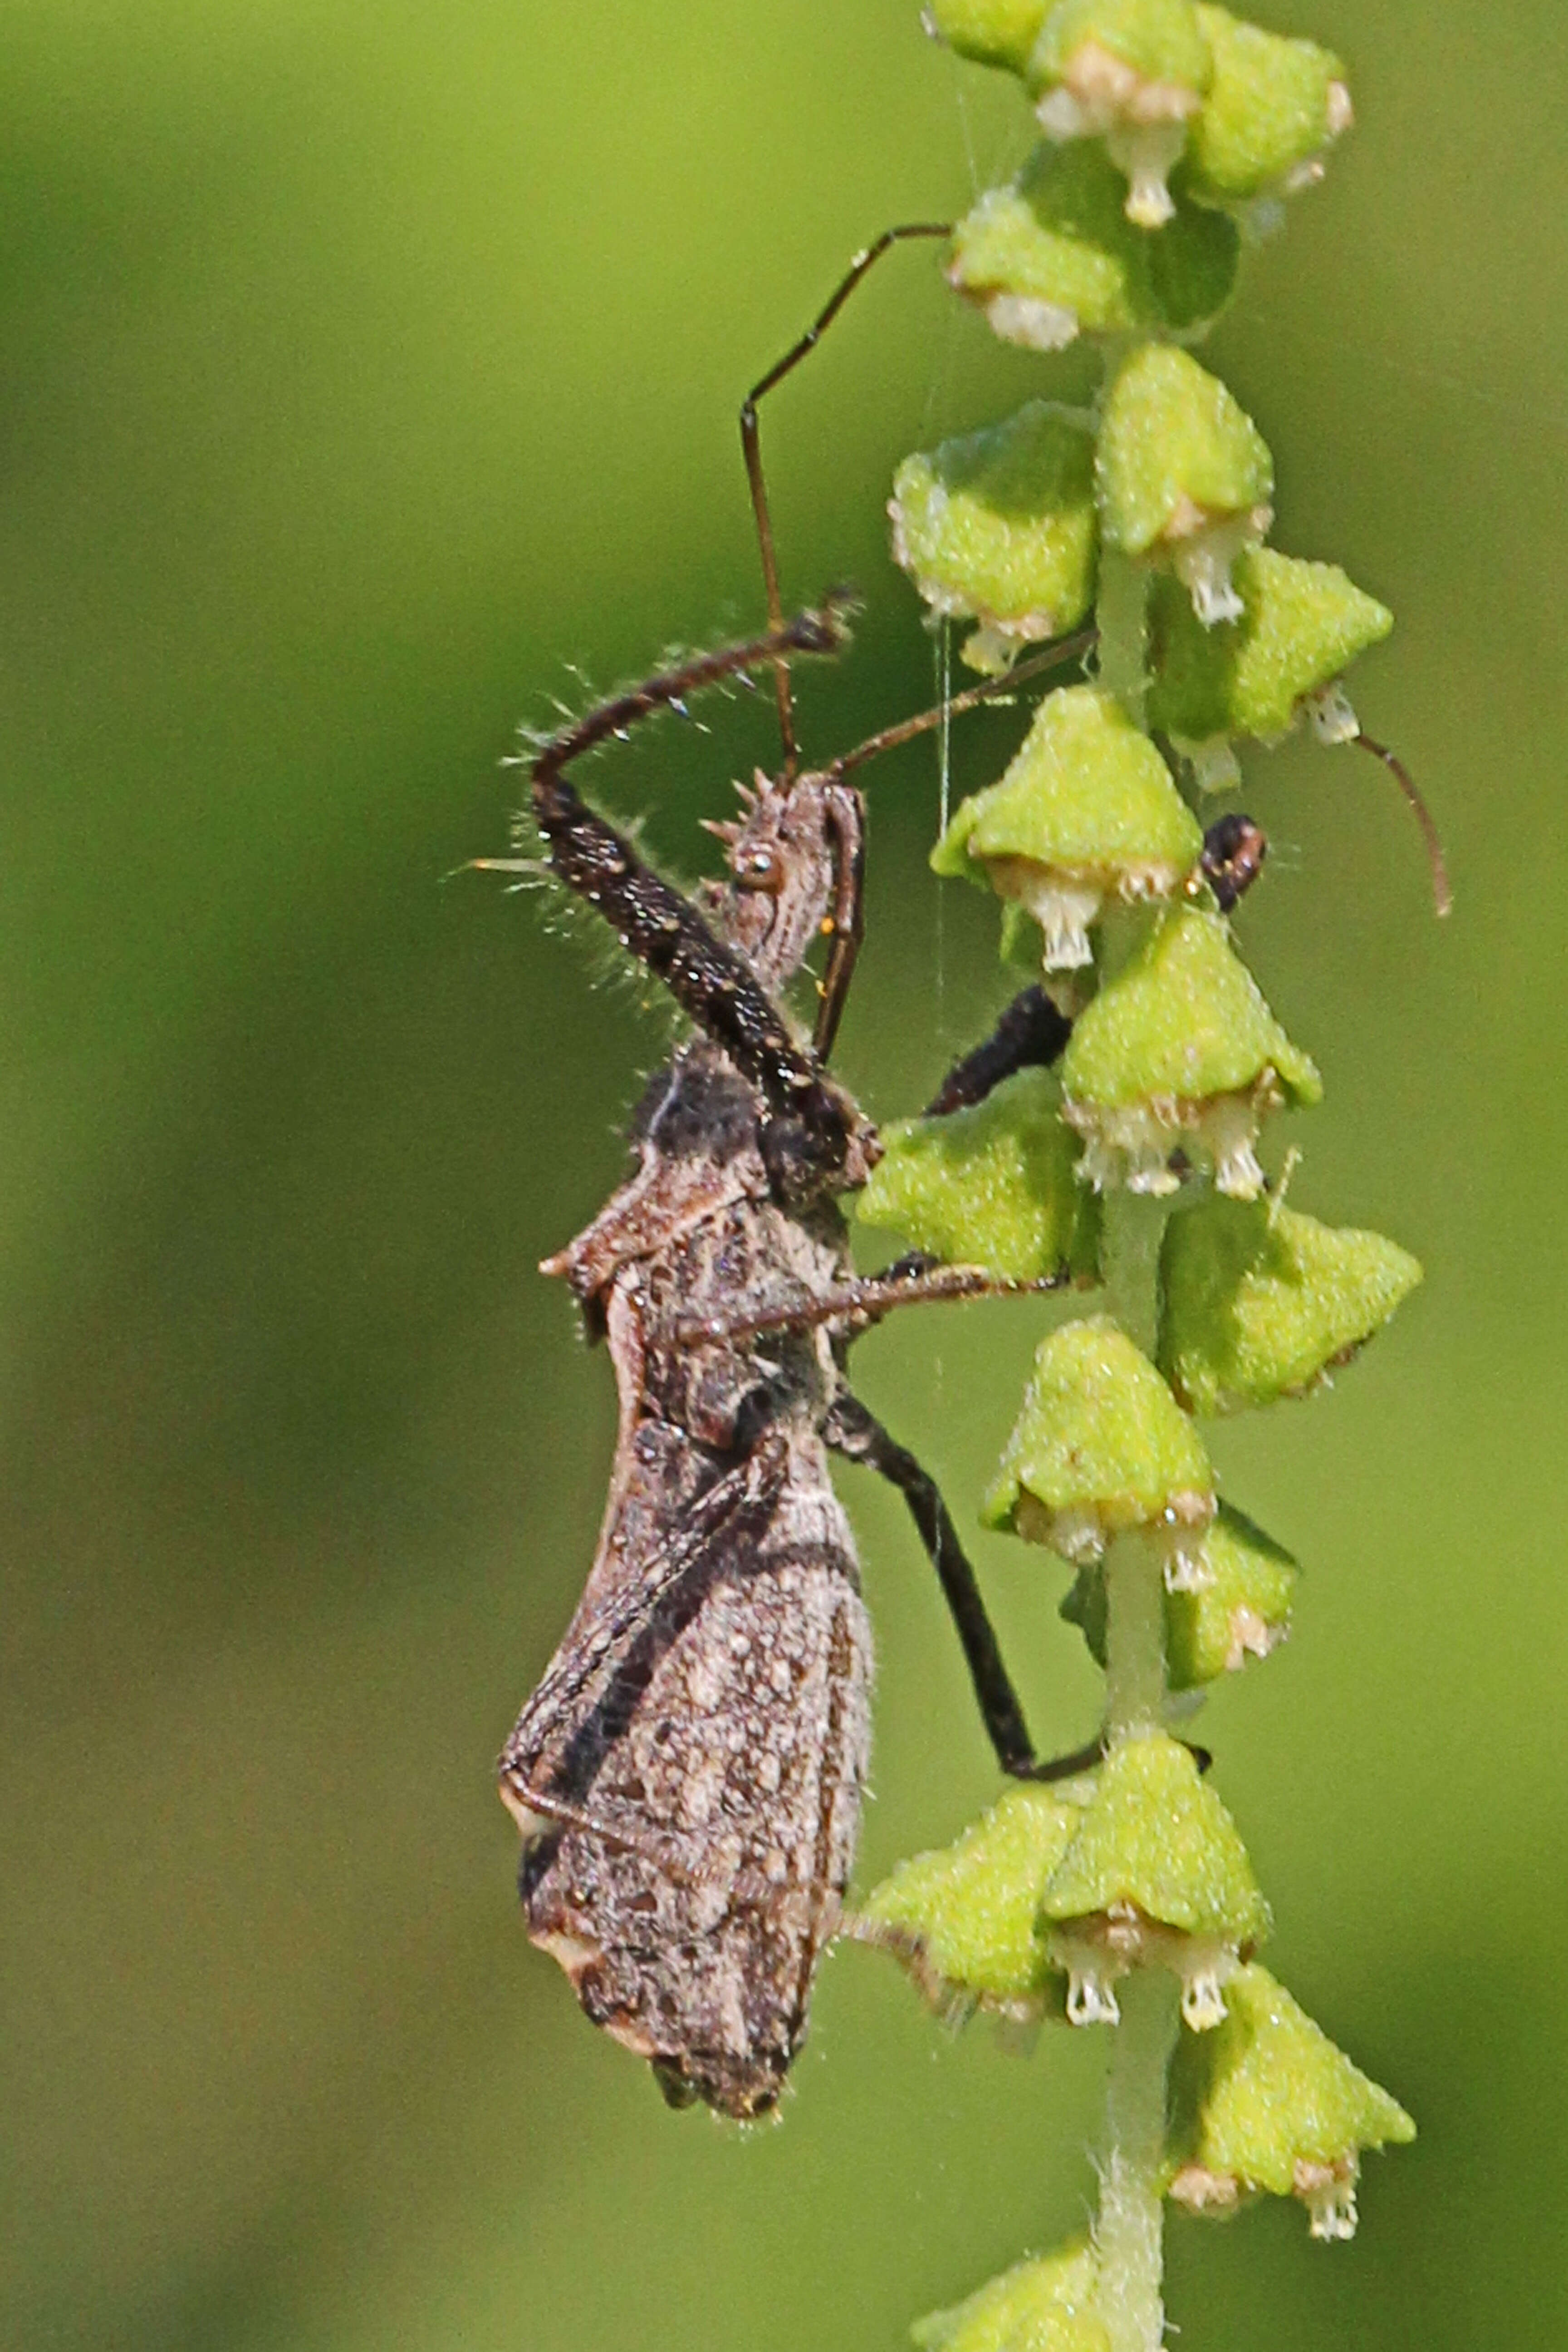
1128, 2231
1120, 615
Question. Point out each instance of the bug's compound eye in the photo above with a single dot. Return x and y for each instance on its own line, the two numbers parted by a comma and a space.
758, 869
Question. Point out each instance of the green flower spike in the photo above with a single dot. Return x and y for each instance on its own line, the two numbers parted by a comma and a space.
1054, 256
1157, 1875
1184, 476
1086, 812
1300, 626
992, 32
992, 1185
1047, 2306
999, 527
1099, 1448
1239, 1607
1179, 1046
965, 1920
1133, 72
1273, 108
1275, 2107
1260, 1302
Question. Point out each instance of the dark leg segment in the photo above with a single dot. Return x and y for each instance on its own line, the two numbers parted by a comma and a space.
1031, 1034
856, 1433
711, 981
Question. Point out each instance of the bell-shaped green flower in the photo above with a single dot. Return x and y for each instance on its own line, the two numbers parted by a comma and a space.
1044, 2306
965, 1920
994, 1185
1273, 106
1179, 1046
1086, 812
1133, 72
992, 32
1235, 1606
1054, 256
1157, 1874
1182, 475
1269, 2105
999, 526
1100, 1446
1300, 626
1260, 1302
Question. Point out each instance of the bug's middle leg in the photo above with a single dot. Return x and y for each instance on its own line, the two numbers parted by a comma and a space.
855, 1433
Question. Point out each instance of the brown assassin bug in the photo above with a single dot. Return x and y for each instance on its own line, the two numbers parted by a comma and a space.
688, 1774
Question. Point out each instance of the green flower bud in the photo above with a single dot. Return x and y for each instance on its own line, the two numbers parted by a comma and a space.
992, 1185
1086, 811
1157, 1875
1054, 256
999, 526
1045, 2305
1272, 2105
1179, 1046
1272, 107
1235, 1606
1260, 1302
992, 32
1102, 1446
1300, 626
965, 1920
1131, 71
1183, 474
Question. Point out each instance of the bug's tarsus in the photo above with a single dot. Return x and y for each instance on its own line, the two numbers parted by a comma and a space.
751, 442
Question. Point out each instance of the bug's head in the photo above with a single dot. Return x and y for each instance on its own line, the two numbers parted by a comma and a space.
794, 857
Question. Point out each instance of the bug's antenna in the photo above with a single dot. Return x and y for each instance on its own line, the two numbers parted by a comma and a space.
751, 444
1442, 890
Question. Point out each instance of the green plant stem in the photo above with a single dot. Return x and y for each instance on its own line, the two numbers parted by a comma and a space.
1129, 2229
1134, 1227
1129, 2232
1120, 615
1134, 1639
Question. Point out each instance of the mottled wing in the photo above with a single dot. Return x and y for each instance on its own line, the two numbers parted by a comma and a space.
713, 1767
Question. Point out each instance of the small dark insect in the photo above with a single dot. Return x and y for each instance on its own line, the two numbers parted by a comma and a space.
688, 1774
1233, 855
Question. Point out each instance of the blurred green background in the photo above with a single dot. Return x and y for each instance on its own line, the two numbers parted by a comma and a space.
360, 368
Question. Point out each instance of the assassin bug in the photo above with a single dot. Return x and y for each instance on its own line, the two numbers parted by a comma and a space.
686, 1775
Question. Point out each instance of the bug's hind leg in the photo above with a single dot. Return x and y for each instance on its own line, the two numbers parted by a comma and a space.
859, 1437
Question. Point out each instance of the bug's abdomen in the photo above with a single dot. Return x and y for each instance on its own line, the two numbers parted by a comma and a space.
738, 1773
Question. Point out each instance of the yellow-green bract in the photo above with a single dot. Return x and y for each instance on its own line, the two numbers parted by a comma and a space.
1045, 2306
1101, 1436
1259, 1301
971, 1910
1301, 625
990, 1185
1058, 236
1156, 1836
